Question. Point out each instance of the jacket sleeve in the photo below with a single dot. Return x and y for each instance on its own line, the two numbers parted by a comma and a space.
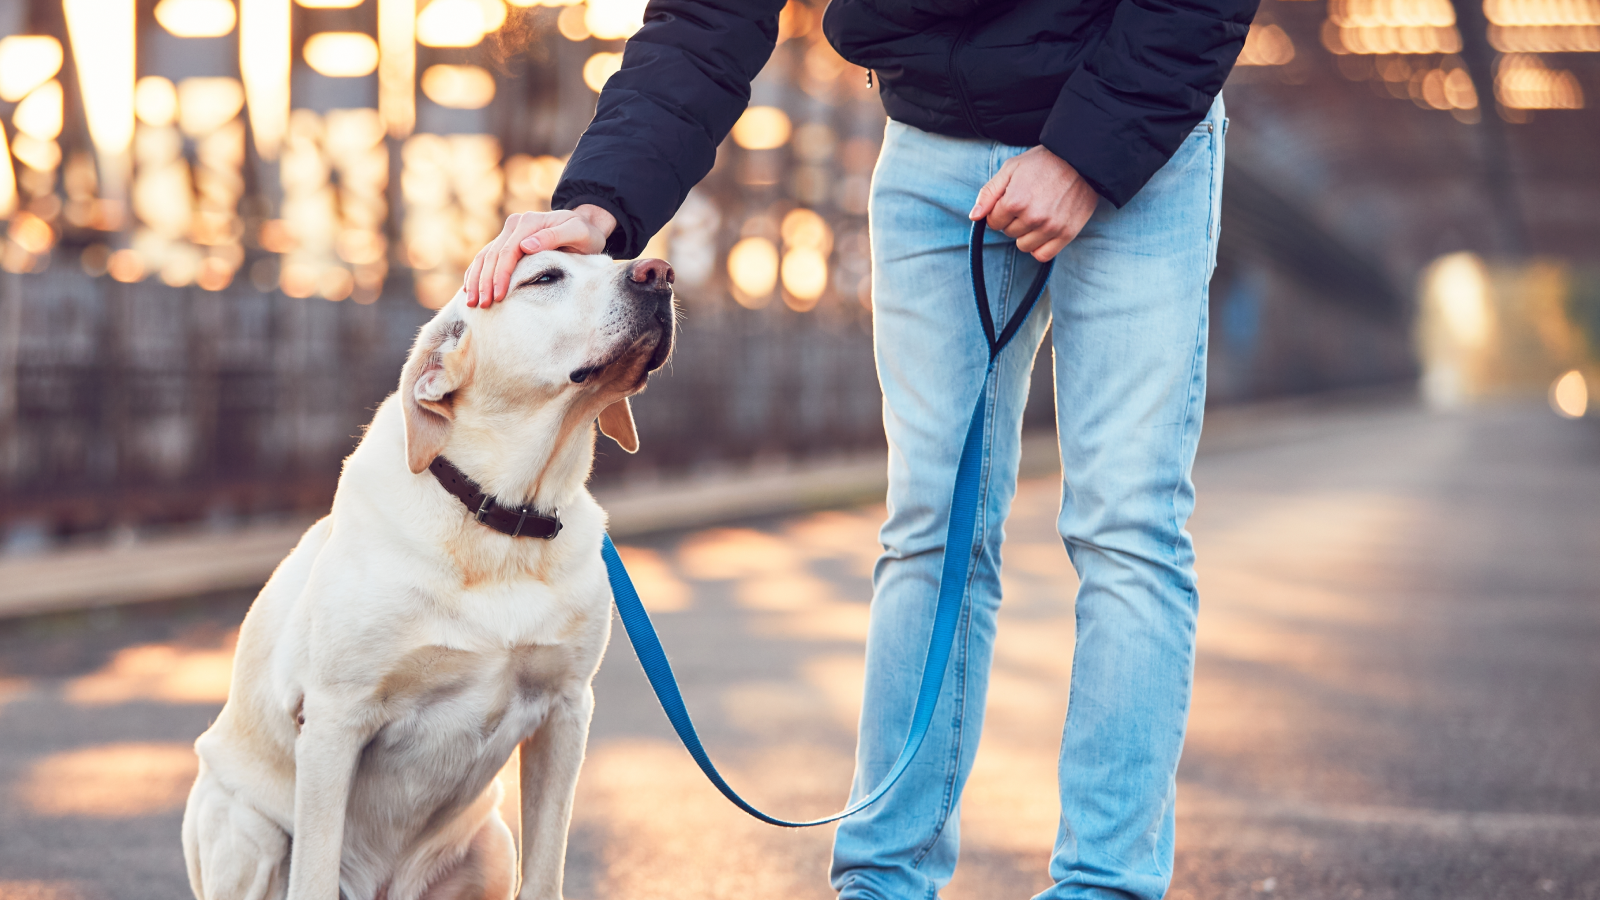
1158, 68
685, 80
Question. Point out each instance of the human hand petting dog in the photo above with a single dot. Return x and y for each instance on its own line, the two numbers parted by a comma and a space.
1039, 199
581, 230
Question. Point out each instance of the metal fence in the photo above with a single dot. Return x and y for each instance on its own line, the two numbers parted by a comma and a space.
142, 404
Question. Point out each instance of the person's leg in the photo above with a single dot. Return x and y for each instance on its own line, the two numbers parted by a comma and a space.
931, 359
1129, 302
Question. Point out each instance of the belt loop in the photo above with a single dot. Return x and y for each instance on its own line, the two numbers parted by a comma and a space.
522, 516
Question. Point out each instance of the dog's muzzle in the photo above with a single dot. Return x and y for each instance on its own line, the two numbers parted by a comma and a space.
647, 287
649, 281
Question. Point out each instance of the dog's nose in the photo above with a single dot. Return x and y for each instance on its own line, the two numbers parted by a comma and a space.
656, 273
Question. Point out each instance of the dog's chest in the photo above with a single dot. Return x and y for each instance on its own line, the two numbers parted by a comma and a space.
452, 718
435, 691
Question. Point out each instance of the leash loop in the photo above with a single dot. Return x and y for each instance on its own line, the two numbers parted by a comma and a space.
980, 292
964, 501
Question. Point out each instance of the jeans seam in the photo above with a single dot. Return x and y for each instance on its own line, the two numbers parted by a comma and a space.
1213, 237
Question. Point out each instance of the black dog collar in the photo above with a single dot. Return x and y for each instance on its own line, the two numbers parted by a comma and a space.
520, 521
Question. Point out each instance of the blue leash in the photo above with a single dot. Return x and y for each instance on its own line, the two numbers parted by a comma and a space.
952, 582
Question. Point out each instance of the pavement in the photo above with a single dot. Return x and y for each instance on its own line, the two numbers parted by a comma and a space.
1394, 696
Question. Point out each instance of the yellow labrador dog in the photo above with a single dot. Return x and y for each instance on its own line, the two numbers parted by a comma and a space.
410, 642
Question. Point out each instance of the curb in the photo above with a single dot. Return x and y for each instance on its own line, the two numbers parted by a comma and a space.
191, 565
197, 564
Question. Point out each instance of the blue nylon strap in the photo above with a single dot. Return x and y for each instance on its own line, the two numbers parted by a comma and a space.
964, 503
952, 588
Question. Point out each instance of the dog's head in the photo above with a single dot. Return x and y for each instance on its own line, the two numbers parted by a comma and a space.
576, 333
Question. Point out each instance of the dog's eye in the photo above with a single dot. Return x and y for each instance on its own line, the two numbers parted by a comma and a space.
547, 277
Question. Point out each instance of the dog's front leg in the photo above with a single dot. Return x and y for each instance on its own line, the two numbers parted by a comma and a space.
325, 755
550, 762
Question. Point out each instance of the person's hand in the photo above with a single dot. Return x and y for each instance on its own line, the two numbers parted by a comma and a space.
581, 230
1039, 199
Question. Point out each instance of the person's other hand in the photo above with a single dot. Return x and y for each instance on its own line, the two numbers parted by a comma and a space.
1039, 199
581, 230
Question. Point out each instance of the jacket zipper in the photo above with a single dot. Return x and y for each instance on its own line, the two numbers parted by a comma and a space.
955, 79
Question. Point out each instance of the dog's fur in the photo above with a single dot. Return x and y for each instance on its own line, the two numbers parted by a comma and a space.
402, 651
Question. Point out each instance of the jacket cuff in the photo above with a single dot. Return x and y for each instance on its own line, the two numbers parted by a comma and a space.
621, 244
1112, 153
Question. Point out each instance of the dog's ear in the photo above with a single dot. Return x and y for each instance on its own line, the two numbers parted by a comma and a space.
616, 422
440, 364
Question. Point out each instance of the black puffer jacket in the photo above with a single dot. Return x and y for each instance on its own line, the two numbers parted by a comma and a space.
1111, 86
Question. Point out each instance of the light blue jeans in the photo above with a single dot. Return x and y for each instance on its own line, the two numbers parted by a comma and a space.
1128, 298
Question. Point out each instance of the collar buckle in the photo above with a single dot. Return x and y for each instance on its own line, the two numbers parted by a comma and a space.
522, 517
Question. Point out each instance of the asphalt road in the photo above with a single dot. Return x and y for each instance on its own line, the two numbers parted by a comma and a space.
1397, 695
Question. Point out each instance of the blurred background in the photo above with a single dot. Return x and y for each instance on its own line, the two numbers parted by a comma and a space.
224, 224
224, 221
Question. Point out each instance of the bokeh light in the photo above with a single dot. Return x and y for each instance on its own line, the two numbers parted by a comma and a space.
342, 54
458, 87
815, 142
822, 69
204, 104
762, 128
494, 14
155, 101
806, 228
196, 18
1545, 39
452, 23
1543, 26
397, 65
102, 33
805, 278
1542, 12
599, 68
39, 114
1391, 26
611, 20
572, 25
1391, 13
30, 232
1569, 395
126, 266
40, 156
27, 61
807, 242
8, 179
530, 181
1266, 45
753, 268
1461, 286
264, 63
1522, 81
